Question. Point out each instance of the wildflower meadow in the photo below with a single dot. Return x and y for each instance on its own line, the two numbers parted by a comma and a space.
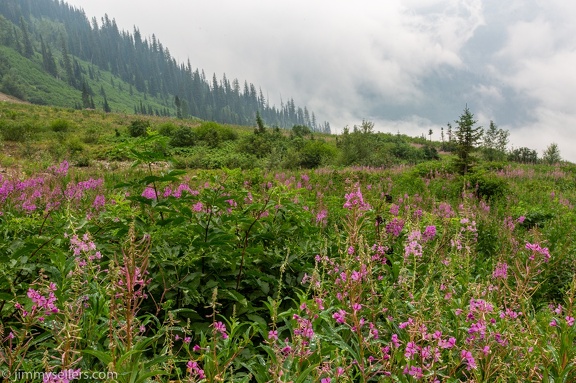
405, 274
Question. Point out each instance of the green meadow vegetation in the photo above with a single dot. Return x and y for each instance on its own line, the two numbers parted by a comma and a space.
148, 249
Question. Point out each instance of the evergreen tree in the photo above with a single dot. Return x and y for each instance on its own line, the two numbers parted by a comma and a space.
106, 107
67, 63
467, 137
28, 49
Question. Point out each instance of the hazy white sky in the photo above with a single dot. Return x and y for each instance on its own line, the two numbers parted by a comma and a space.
407, 65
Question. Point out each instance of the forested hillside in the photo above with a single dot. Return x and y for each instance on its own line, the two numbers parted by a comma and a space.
50, 53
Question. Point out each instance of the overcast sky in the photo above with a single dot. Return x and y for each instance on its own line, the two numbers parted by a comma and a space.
406, 65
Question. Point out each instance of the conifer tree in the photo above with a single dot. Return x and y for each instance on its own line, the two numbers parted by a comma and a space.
467, 137
28, 49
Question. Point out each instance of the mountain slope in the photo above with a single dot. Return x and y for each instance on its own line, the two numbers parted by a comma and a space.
51, 54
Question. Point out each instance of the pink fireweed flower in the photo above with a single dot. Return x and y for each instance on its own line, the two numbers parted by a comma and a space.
221, 328
99, 202
61, 169
411, 350
395, 341
44, 303
570, 321
501, 271
429, 233
469, 359
445, 211
355, 200
447, 344
340, 316
394, 209
536, 249
321, 216
409, 322
195, 370
149, 193
395, 227
273, 335
198, 207
414, 371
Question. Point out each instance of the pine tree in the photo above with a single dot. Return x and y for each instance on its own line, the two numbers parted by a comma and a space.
28, 49
467, 137
106, 107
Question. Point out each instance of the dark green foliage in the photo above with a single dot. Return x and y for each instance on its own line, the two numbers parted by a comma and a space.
167, 129
430, 153
182, 137
213, 134
523, 155
316, 153
138, 128
536, 218
487, 186
260, 128
60, 125
300, 130
16, 132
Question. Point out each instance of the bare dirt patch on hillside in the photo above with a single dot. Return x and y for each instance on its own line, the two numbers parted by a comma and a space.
7, 98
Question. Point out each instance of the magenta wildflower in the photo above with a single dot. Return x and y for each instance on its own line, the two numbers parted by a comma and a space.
149, 193
415, 372
395, 227
273, 335
395, 341
536, 249
469, 359
339, 316
321, 216
355, 200
501, 271
195, 370
221, 328
198, 207
411, 350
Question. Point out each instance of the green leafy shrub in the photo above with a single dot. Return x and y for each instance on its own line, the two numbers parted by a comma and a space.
167, 129
60, 125
138, 128
316, 153
213, 134
183, 137
16, 132
488, 186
